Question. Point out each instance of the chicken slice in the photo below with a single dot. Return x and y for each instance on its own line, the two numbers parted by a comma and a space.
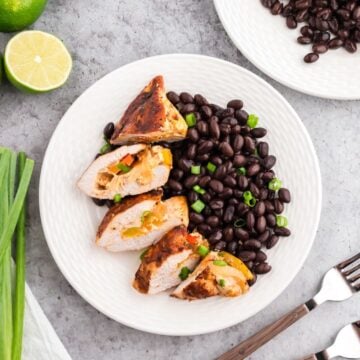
140, 221
162, 262
151, 117
212, 277
150, 169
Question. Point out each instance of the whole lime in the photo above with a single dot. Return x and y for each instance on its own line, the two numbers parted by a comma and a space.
16, 15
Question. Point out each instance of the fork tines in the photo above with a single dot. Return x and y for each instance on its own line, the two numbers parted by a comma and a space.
351, 273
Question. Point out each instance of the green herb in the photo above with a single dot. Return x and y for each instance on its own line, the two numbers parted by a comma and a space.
142, 255
203, 250
124, 168
198, 206
105, 148
199, 189
281, 221
195, 169
241, 171
117, 198
239, 223
252, 121
184, 273
220, 263
274, 184
222, 282
211, 167
190, 119
144, 215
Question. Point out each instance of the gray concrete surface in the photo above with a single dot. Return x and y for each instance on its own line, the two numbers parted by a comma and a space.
103, 35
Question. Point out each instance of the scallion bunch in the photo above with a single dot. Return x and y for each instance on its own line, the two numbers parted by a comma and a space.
15, 176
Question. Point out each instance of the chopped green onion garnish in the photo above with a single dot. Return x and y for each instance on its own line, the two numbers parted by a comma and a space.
190, 119
117, 198
220, 263
184, 273
239, 223
250, 202
202, 250
241, 170
274, 184
199, 189
211, 167
252, 121
124, 168
281, 221
198, 206
105, 148
248, 195
142, 255
222, 282
144, 215
195, 169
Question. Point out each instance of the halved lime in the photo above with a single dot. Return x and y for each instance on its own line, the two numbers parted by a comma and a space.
37, 62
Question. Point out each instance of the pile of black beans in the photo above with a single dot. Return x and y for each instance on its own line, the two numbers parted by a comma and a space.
330, 24
221, 136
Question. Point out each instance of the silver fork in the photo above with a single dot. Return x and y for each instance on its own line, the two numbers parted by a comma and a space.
347, 344
338, 284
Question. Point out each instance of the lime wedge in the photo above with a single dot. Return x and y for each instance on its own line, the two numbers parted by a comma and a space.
37, 62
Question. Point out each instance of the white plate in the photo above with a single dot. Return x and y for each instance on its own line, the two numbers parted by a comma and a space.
70, 219
267, 42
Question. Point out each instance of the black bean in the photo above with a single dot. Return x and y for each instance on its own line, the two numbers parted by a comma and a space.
249, 265
241, 116
99, 202
260, 224
109, 130
269, 161
230, 181
200, 100
253, 169
222, 114
174, 185
235, 104
191, 152
204, 181
260, 257
267, 176
259, 208
220, 245
253, 280
258, 132
263, 149
109, 203
173, 97
216, 185
229, 214
193, 135
270, 220
250, 220
233, 201
311, 57
216, 204
282, 231
262, 268
252, 244
186, 98
238, 194
205, 147
320, 48
241, 234
185, 164
350, 46
269, 205
196, 218
204, 229
279, 206
239, 160
219, 212
188, 108
264, 192
249, 144
213, 221
202, 127
237, 143
228, 234
215, 237
243, 182
306, 31
304, 40
226, 149
227, 193
247, 255
220, 172
291, 22
264, 236
284, 195
214, 128
192, 196
231, 247
190, 181
335, 43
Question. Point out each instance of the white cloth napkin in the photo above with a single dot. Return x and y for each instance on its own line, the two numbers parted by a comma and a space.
40, 340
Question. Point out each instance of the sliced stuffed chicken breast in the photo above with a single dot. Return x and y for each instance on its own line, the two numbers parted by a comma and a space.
164, 264
140, 221
128, 170
214, 276
151, 117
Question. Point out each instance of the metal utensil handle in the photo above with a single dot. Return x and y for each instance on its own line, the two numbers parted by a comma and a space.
250, 345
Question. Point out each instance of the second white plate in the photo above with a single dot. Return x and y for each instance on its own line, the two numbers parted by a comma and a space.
70, 219
267, 42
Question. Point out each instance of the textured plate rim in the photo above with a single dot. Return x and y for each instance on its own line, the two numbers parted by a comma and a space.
253, 60
179, 332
